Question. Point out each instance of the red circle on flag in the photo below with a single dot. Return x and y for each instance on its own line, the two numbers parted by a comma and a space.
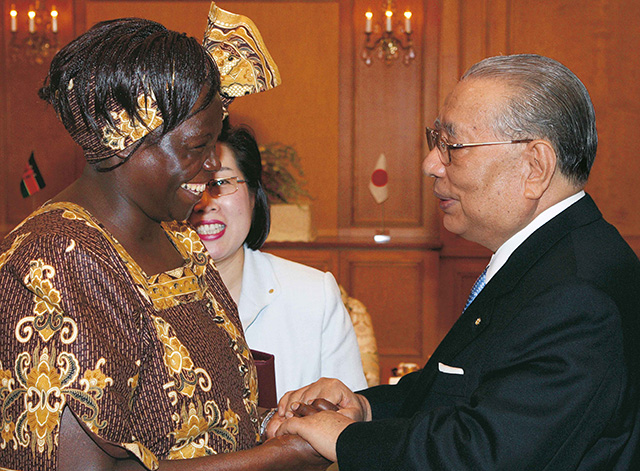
379, 177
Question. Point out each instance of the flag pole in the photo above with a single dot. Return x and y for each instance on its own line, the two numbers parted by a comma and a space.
382, 236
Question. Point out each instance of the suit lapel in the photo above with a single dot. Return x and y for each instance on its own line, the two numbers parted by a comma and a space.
478, 315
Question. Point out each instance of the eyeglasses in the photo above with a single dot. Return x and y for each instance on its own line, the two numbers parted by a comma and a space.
435, 140
223, 186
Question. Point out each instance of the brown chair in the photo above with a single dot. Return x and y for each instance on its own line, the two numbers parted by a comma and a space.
366, 337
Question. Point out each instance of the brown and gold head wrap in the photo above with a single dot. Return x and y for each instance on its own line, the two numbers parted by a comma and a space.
114, 137
242, 58
104, 120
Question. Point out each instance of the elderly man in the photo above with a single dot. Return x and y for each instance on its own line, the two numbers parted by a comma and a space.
541, 369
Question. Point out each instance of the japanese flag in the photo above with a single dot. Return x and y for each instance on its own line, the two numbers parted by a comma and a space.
379, 179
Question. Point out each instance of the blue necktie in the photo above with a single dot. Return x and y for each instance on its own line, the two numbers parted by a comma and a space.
477, 287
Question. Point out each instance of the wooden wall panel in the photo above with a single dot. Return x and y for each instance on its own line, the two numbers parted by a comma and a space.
323, 260
383, 111
602, 50
591, 39
399, 290
387, 122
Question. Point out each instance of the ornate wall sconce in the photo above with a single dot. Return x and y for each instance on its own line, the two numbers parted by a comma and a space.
388, 46
34, 32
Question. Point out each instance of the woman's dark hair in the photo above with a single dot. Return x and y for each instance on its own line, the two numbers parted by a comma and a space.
115, 62
244, 147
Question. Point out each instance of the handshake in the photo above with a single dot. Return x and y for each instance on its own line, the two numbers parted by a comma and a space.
318, 414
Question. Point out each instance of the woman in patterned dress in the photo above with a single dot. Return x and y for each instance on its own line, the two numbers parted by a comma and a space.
120, 348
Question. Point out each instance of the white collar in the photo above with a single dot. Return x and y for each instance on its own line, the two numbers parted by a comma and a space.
504, 252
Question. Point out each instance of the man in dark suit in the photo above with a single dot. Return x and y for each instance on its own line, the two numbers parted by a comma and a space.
541, 369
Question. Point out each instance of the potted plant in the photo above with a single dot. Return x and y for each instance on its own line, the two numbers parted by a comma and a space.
284, 184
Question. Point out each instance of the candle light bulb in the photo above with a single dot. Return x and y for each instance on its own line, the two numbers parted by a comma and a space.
407, 21
32, 20
14, 19
54, 19
388, 14
367, 25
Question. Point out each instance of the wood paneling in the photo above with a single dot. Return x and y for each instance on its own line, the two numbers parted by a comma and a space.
323, 260
599, 45
382, 109
590, 37
399, 287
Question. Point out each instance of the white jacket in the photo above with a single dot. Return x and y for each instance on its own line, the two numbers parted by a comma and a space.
295, 312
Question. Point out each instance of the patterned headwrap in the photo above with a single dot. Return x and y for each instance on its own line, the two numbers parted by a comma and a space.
125, 131
245, 67
242, 58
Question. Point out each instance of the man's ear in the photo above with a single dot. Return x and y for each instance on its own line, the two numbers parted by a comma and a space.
541, 161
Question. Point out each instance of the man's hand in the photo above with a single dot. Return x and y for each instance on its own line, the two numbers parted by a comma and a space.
320, 429
351, 405
299, 410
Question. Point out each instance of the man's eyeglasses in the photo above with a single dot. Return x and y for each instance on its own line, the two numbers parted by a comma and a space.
223, 186
435, 140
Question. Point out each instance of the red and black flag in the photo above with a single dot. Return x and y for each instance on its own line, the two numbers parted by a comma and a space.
32, 180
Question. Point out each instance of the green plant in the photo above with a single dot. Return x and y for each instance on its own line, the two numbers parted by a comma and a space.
282, 174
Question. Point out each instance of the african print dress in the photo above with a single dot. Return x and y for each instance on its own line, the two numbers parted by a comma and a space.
156, 365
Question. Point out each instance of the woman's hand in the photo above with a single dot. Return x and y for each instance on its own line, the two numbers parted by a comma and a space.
300, 455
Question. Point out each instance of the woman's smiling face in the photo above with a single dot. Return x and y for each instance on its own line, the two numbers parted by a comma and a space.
223, 223
156, 178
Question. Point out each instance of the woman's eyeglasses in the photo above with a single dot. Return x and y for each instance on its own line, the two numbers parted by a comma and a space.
223, 186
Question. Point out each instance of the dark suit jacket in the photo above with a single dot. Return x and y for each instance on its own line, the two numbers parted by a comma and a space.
550, 359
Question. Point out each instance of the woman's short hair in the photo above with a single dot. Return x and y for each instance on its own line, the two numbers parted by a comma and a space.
242, 143
116, 64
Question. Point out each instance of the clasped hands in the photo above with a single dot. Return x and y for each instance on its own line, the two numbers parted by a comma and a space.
319, 413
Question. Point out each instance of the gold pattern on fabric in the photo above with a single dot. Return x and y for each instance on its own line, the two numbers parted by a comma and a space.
178, 360
14, 246
240, 53
168, 289
143, 454
42, 384
48, 318
240, 347
127, 129
192, 437
164, 375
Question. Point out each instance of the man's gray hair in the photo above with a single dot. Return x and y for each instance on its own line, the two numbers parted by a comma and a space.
548, 102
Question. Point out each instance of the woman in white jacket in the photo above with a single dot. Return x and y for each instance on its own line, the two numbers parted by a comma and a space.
287, 309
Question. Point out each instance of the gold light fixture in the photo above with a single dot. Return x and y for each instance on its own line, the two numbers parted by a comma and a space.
388, 46
34, 32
